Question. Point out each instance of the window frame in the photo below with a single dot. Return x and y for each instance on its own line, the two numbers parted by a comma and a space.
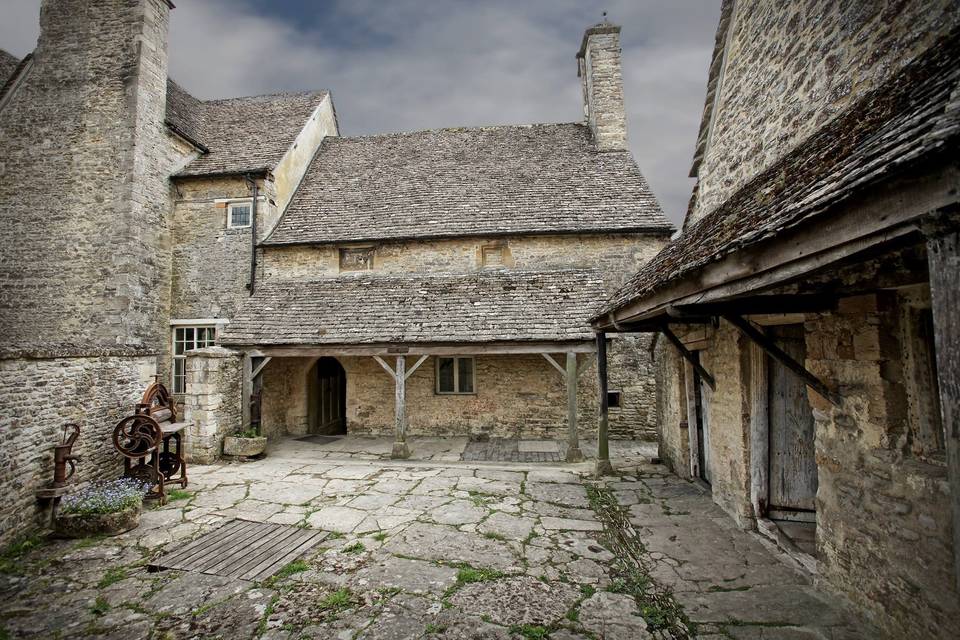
175, 358
240, 203
619, 395
456, 376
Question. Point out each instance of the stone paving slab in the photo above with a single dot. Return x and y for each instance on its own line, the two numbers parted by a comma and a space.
428, 549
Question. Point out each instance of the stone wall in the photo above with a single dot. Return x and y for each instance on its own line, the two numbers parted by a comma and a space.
85, 190
884, 530
792, 66
211, 263
213, 401
673, 432
617, 256
516, 396
85, 279
39, 396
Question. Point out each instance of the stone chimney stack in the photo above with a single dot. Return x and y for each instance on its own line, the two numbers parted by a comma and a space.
598, 65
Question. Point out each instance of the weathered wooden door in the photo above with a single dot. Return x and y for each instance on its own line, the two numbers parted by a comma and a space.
793, 467
327, 394
702, 399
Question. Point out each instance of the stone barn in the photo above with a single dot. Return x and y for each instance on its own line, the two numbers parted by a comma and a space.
440, 281
808, 342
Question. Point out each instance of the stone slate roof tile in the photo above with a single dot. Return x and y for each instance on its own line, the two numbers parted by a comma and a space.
467, 182
484, 306
914, 116
8, 64
238, 135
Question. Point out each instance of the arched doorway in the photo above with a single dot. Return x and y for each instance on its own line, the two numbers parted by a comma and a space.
327, 397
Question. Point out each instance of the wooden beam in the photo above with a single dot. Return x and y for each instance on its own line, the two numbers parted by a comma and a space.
688, 356
783, 358
387, 350
556, 366
573, 443
414, 367
260, 367
603, 467
400, 449
385, 366
882, 215
760, 304
585, 363
943, 256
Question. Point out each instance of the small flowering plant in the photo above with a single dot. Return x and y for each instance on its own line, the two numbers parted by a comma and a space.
108, 496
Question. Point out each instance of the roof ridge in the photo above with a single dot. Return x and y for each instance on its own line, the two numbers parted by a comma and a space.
275, 94
486, 127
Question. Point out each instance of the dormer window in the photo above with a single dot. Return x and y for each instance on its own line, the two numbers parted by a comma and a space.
239, 214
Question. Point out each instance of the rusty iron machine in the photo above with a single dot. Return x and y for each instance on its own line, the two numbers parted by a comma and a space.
64, 468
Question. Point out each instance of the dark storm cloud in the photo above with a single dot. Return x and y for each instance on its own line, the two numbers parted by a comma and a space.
416, 64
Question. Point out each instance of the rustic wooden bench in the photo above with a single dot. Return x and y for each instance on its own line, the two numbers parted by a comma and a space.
151, 442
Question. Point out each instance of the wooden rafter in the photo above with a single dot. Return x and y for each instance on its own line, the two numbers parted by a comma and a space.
689, 357
778, 354
556, 366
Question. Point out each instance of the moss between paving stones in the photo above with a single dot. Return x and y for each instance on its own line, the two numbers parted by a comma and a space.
630, 571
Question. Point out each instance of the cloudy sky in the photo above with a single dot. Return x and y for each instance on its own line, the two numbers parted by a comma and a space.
402, 65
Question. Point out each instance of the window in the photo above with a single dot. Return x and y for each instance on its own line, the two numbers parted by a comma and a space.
614, 399
455, 375
492, 256
356, 259
238, 214
186, 339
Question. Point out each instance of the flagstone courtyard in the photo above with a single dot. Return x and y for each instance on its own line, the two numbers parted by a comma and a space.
427, 549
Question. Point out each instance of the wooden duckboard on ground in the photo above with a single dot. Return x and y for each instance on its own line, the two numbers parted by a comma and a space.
242, 549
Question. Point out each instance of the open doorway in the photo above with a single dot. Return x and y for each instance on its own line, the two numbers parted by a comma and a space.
327, 398
792, 469
700, 415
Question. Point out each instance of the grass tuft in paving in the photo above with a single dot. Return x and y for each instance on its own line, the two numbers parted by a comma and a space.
630, 571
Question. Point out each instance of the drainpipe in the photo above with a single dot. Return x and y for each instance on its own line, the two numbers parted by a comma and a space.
253, 233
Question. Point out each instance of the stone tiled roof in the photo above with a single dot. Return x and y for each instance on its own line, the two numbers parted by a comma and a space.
239, 134
485, 306
913, 116
470, 181
8, 64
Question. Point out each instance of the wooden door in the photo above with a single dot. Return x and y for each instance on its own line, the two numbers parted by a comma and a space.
328, 398
793, 467
701, 394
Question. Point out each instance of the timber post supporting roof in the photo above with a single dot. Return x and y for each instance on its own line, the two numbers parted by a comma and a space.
486, 181
913, 117
426, 309
238, 135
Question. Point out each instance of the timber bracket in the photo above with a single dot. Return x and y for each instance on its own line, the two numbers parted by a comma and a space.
689, 357
778, 354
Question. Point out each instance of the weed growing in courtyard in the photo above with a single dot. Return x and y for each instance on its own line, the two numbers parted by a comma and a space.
356, 547
178, 494
297, 566
530, 632
100, 606
468, 574
493, 535
112, 576
380, 536
10, 556
431, 628
336, 601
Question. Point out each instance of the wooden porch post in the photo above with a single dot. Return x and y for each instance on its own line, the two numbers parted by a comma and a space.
943, 258
247, 390
759, 432
604, 468
400, 449
573, 443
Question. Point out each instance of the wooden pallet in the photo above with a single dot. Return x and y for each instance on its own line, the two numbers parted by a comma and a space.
242, 549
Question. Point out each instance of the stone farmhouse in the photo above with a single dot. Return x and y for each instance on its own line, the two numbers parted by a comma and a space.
274, 273
809, 348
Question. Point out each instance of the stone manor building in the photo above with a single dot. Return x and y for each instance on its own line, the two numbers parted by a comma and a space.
808, 346
276, 274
